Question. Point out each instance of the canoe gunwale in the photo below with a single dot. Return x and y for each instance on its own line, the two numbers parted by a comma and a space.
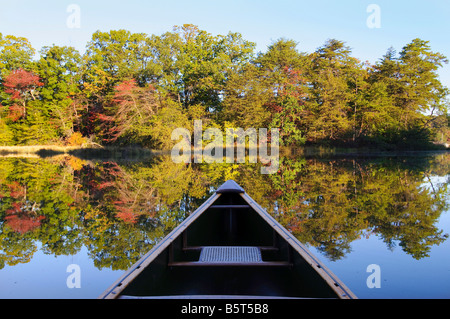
333, 281
117, 287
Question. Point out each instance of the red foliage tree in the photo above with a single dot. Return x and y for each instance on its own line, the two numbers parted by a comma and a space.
16, 190
23, 223
15, 112
22, 86
126, 214
20, 220
131, 109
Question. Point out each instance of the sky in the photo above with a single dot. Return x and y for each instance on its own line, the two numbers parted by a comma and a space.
367, 31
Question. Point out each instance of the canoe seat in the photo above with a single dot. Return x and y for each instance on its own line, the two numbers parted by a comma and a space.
230, 256
233, 254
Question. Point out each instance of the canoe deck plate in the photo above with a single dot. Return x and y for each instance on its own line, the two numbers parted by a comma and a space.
236, 254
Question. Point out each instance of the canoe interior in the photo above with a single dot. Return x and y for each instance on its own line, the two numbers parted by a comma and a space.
177, 272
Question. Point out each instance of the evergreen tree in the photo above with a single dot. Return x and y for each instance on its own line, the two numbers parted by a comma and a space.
329, 109
414, 90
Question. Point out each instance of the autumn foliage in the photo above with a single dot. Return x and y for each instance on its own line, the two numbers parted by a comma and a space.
21, 217
23, 222
19, 83
129, 113
134, 89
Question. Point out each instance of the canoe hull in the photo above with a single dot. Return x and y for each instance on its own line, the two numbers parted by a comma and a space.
229, 219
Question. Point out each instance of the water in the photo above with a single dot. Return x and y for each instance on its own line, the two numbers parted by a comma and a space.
102, 215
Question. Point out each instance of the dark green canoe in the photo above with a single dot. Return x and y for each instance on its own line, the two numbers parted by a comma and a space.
229, 248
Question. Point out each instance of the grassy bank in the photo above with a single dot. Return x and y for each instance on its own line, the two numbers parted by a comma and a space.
35, 149
93, 151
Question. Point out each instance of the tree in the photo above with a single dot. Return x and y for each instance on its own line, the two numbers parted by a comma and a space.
170, 117
269, 92
22, 86
413, 86
59, 67
328, 110
126, 82
284, 66
6, 135
130, 113
110, 58
30, 120
287, 110
193, 66
15, 53
421, 89
246, 97
118, 53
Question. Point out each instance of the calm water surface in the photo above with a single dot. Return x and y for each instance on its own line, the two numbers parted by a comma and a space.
102, 215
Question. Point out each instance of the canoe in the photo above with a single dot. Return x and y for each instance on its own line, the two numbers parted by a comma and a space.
230, 247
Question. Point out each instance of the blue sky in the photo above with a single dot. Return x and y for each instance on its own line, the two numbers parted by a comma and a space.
310, 23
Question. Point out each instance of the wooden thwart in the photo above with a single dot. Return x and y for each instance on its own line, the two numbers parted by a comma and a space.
231, 256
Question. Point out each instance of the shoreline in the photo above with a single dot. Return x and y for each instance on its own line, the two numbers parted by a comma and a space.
32, 149
84, 151
96, 150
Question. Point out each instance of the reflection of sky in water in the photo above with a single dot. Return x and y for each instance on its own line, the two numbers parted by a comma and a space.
45, 277
402, 276
435, 182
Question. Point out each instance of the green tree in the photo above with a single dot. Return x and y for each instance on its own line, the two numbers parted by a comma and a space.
329, 107
118, 53
6, 134
284, 66
15, 53
246, 98
414, 89
421, 89
59, 67
193, 65
268, 92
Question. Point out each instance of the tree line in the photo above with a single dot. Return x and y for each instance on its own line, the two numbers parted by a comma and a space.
134, 89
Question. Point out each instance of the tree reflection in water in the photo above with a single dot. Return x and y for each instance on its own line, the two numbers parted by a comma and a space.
120, 209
